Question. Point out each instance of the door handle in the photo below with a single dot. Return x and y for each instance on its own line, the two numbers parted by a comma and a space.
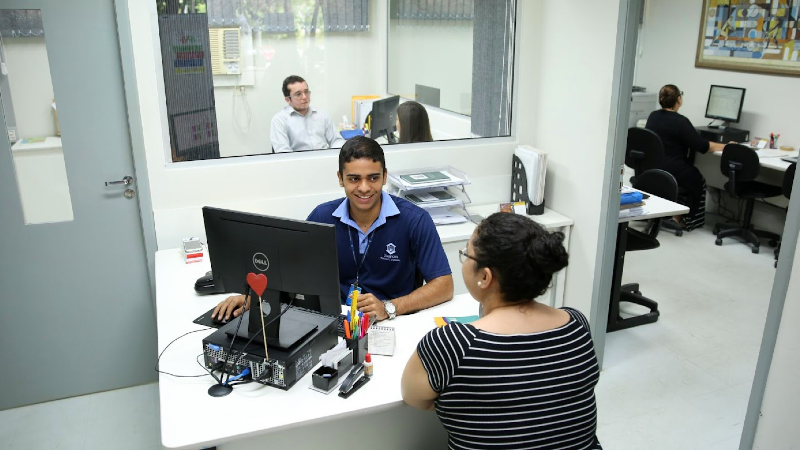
126, 180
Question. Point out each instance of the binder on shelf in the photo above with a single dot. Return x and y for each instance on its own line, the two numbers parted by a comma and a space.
528, 172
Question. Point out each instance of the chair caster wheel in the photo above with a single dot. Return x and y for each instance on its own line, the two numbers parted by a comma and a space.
716, 230
679, 233
718, 241
773, 243
755, 250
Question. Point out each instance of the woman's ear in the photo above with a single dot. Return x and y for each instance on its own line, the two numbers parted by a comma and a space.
486, 277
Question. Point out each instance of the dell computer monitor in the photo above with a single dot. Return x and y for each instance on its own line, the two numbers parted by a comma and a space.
725, 103
299, 259
384, 118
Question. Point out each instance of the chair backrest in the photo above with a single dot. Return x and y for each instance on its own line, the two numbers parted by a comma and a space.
644, 150
788, 180
739, 163
659, 183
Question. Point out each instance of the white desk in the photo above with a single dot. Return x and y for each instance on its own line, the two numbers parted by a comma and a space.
256, 416
455, 236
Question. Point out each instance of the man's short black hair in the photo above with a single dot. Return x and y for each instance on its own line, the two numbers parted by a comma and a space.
360, 147
291, 79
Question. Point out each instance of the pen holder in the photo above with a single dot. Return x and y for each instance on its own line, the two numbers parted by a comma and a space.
359, 348
325, 378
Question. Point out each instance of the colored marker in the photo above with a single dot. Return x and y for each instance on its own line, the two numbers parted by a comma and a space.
346, 329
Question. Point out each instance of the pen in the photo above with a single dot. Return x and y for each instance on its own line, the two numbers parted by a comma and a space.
346, 329
354, 308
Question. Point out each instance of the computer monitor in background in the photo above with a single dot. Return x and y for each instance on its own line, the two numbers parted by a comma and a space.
725, 103
297, 257
384, 118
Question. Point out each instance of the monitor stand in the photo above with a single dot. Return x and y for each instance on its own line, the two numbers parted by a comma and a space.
283, 332
291, 332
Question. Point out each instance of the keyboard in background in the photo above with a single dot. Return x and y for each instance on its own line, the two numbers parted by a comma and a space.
790, 159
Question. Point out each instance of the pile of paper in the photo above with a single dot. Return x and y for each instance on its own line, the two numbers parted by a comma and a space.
535, 163
444, 216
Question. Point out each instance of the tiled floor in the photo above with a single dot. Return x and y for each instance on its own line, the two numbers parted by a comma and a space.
681, 383
684, 381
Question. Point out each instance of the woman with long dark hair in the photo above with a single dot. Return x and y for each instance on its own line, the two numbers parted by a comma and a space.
413, 123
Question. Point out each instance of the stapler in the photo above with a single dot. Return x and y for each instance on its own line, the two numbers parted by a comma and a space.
355, 379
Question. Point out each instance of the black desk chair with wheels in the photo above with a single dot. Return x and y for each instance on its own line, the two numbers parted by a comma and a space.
662, 184
741, 165
645, 151
788, 182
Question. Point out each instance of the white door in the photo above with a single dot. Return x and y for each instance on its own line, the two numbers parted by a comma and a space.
77, 315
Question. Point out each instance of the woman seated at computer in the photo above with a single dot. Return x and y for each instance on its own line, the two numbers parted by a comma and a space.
413, 124
679, 137
523, 375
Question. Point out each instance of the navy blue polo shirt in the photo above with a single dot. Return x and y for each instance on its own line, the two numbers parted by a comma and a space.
401, 241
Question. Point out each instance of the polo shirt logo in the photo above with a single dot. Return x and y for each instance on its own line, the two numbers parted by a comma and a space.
391, 249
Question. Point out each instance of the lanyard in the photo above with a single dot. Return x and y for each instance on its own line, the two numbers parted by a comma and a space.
364, 256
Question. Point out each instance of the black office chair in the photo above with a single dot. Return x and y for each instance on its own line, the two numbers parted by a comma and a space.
662, 184
740, 164
788, 182
644, 151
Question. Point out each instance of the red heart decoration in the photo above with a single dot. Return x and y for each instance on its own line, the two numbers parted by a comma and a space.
257, 282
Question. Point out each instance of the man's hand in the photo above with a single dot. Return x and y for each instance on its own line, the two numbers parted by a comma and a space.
233, 305
368, 303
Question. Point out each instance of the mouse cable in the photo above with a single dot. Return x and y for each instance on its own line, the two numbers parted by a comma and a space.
158, 361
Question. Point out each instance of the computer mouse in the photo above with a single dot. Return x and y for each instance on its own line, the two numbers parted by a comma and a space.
205, 285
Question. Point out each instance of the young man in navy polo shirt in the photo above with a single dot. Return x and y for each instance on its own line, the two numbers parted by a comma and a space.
383, 241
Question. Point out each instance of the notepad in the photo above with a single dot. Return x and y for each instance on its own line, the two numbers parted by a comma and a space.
380, 340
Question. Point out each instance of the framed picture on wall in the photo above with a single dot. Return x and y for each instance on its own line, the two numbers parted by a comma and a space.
750, 36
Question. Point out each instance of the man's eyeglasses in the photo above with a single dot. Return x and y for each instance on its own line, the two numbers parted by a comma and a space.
681, 93
301, 94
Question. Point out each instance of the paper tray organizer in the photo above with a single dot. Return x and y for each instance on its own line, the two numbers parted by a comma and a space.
453, 183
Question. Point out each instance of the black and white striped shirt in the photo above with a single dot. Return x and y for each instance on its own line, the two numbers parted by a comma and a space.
519, 391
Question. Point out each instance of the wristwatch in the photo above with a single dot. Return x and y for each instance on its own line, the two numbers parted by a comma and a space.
390, 309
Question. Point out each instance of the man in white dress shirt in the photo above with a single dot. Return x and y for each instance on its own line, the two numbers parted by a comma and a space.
298, 126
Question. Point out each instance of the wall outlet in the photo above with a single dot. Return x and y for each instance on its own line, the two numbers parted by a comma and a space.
12, 134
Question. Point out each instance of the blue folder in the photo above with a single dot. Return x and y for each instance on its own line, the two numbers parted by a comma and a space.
630, 197
349, 134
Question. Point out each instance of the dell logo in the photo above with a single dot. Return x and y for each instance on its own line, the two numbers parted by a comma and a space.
261, 262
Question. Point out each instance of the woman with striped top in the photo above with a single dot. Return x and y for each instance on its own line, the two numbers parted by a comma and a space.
523, 375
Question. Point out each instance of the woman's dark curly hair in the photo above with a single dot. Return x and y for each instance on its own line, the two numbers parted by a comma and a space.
521, 254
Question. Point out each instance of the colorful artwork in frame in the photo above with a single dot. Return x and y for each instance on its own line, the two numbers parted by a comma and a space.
750, 36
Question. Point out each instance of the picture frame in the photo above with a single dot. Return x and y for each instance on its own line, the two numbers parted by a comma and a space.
750, 36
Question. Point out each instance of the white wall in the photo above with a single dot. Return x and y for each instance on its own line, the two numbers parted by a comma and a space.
31, 86
565, 82
667, 49
335, 65
435, 53
550, 94
777, 426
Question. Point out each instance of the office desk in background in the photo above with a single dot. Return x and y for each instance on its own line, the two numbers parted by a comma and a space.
254, 416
